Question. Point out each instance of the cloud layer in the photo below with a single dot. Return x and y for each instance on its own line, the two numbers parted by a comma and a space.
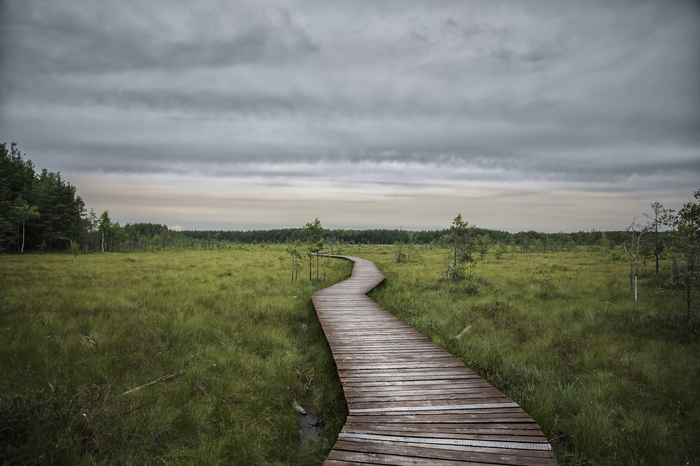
403, 112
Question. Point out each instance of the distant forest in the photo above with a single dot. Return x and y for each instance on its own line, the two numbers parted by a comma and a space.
524, 241
39, 211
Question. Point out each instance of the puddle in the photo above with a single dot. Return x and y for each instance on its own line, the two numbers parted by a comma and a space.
308, 427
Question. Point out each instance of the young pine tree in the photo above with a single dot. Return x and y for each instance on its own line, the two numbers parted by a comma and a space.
312, 231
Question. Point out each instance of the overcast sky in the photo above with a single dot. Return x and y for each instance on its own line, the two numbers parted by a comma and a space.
545, 115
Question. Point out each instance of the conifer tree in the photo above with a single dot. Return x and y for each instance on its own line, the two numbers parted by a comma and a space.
312, 231
687, 240
458, 240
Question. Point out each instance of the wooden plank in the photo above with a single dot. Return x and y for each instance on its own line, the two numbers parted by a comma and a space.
410, 402
391, 383
414, 390
530, 431
358, 458
396, 404
444, 416
466, 394
349, 450
410, 399
508, 434
415, 448
379, 375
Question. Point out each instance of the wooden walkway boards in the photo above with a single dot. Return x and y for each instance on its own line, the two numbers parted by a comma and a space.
409, 401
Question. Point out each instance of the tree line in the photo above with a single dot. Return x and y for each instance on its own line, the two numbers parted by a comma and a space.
524, 241
37, 210
40, 211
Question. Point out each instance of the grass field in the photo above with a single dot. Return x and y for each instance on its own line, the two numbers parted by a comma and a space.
610, 381
239, 340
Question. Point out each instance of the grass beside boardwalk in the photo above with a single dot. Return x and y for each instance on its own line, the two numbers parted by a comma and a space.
239, 339
610, 381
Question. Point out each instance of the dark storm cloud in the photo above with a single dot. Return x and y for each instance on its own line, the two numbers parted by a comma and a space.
587, 92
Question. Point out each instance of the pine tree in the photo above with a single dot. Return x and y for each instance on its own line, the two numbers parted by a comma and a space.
312, 231
459, 242
687, 240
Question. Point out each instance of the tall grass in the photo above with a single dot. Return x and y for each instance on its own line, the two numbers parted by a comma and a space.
238, 339
610, 381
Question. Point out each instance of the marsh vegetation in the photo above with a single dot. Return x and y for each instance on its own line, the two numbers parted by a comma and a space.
232, 342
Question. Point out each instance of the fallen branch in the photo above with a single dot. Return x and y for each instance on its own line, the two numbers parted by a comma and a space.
297, 407
463, 332
88, 338
162, 379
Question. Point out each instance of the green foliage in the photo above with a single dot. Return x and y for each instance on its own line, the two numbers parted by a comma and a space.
461, 279
242, 339
35, 208
313, 232
74, 249
686, 239
482, 245
555, 241
293, 255
499, 251
616, 255
105, 229
23, 212
460, 245
398, 249
42, 208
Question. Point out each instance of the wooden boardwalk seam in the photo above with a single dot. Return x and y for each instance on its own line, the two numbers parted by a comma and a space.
409, 401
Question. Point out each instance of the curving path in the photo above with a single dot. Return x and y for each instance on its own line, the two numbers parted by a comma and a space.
409, 401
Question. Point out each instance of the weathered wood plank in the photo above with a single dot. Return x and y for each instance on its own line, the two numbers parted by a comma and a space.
463, 419
411, 452
508, 433
410, 402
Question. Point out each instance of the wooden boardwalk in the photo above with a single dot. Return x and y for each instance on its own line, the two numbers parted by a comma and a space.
409, 401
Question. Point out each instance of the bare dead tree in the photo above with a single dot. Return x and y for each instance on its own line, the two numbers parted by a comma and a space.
638, 230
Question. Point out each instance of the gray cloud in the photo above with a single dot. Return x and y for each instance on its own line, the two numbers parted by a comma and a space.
89, 39
594, 93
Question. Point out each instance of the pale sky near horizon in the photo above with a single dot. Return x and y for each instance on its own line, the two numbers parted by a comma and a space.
543, 115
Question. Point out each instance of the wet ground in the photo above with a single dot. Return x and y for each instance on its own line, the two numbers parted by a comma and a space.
308, 427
